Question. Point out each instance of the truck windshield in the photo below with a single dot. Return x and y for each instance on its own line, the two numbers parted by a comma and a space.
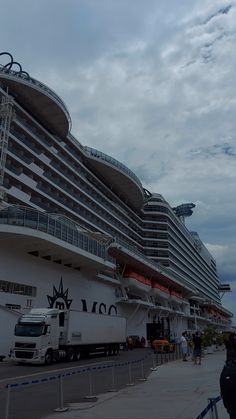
29, 329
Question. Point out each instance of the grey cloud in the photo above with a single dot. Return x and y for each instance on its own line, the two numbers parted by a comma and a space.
222, 11
214, 150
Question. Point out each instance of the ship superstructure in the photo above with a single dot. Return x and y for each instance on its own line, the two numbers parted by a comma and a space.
78, 224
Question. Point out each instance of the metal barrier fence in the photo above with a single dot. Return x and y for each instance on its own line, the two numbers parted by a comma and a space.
76, 384
211, 408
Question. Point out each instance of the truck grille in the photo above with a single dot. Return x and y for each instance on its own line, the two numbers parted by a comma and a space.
24, 354
25, 345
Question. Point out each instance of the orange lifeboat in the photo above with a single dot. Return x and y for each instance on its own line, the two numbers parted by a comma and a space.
136, 281
176, 296
160, 290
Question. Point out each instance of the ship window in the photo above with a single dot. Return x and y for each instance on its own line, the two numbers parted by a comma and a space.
61, 319
17, 288
13, 306
28, 303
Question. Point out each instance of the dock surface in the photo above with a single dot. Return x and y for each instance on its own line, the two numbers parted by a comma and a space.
177, 390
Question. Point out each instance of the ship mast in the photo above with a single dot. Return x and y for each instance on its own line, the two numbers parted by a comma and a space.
6, 116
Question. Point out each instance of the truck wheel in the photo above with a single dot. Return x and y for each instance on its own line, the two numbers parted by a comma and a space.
48, 358
76, 355
70, 355
56, 356
116, 349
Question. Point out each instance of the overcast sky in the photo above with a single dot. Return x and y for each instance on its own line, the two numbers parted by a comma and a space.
151, 83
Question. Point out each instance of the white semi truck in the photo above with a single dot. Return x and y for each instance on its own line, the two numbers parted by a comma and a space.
46, 335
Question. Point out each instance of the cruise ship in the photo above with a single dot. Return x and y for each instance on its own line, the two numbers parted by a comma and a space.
78, 230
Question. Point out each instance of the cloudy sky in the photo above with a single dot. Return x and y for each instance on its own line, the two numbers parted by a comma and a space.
151, 83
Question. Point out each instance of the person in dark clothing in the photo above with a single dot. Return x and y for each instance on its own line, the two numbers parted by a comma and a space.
197, 348
130, 342
228, 377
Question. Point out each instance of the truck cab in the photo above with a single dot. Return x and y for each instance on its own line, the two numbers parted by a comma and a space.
37, 336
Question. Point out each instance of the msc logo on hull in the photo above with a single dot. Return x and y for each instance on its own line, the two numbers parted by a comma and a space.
60, 300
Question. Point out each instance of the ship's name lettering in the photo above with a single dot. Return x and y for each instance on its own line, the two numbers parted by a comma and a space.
101, 308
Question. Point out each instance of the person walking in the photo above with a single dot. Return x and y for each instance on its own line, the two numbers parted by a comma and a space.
184, 346
197, 348
228, 376
130, 342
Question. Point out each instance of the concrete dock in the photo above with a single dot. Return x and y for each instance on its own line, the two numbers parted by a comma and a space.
177, 390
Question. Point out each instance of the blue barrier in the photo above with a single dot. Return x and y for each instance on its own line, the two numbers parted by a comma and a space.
73, 372
68, 374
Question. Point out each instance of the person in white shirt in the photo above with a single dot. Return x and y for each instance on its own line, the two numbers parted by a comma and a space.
184, 346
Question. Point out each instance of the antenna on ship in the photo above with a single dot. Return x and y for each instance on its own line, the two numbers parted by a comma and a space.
184, 210
223, 288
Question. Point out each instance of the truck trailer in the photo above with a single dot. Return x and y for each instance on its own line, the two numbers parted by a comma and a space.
47, 335
8, 320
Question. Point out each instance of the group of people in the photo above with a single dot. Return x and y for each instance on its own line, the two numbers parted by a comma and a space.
130, 344
194, 344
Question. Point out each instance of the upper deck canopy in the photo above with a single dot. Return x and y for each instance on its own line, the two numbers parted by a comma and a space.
119, 177
40, 101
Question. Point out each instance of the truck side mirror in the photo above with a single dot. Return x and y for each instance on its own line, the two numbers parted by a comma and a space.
46, 330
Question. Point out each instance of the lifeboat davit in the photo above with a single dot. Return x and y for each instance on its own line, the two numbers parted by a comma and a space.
136, 282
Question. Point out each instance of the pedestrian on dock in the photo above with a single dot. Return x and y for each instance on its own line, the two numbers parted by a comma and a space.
184, 346
130, 343
228, 376
197, 348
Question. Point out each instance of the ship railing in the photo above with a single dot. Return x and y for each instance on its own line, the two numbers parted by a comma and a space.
211, 408
59, 228
30, 80
99, 155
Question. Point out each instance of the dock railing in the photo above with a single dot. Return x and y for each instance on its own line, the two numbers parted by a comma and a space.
211, 408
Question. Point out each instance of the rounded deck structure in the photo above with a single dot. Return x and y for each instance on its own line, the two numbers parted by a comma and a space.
125, 183
38, 99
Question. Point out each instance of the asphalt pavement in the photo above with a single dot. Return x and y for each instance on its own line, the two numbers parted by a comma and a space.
176, 390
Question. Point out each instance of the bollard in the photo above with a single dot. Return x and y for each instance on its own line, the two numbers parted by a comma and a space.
62, 408
113, 379
130, 377
143, 378
154, 366
90, 397
161, 358
7, 401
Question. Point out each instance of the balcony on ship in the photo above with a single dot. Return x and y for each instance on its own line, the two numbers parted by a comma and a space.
46, 235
